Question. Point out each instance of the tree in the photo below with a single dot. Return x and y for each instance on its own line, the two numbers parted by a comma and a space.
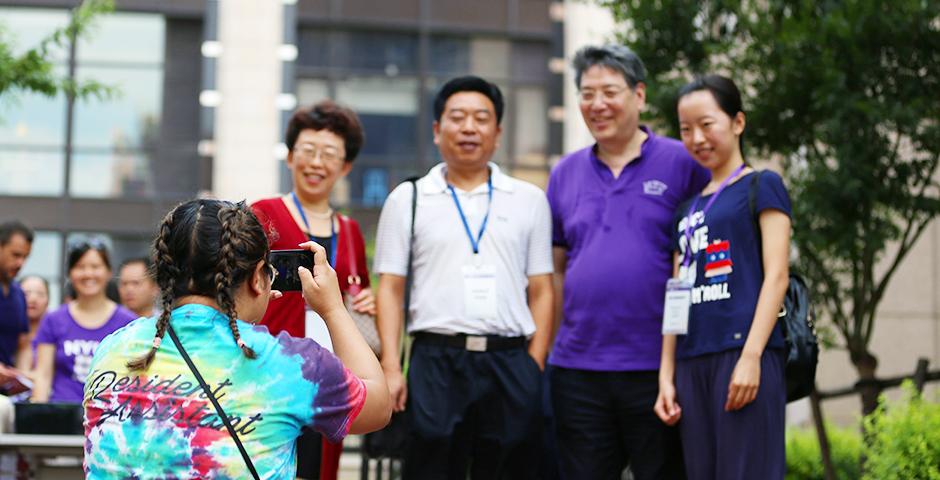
33, 71
846, 94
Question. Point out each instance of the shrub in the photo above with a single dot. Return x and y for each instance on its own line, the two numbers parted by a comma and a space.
804, 462
904, 439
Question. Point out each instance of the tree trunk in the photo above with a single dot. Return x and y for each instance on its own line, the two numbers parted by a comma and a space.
866, 364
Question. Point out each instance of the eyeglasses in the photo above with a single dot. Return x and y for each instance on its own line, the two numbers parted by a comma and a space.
606, 94
87, 244
272, 273
327, 155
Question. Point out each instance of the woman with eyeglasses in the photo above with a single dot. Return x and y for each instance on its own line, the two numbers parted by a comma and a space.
149, 414
68, 336
323, 141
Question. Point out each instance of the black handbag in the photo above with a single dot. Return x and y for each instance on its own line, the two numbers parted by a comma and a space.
797, 319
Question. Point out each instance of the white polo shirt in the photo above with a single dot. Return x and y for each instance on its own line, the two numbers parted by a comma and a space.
517, 242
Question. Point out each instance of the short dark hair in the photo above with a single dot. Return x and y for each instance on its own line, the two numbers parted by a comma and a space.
14, 227
78, 249
726, 94
330, 116
468, 83
145, 261
615, 57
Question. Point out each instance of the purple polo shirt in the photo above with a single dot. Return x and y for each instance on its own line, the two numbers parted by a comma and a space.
13, 322
617, 232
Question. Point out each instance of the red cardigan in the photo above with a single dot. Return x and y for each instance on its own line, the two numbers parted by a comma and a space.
287, 312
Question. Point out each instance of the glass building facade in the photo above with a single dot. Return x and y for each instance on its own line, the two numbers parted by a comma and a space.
112, 167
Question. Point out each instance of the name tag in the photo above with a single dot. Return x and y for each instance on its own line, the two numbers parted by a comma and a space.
676, 308
479, 291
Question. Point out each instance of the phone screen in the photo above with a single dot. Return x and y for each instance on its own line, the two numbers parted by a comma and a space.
286, 263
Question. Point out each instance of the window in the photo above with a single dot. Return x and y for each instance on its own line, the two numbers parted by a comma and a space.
115, 138
388, 109
32, 126
45, 260
531, 137
388, 53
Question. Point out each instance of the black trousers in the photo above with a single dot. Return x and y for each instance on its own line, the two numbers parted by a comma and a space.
468, 411
309, 445
604, 421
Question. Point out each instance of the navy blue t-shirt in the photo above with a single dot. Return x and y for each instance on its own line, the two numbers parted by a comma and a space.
13, 322
725, 267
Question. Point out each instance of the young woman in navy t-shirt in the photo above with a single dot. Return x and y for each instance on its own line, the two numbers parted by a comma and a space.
727, 369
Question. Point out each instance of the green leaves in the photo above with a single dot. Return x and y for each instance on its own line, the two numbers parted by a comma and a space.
33, 71
904, 439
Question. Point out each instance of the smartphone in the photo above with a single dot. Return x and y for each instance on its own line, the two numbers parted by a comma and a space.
286, 263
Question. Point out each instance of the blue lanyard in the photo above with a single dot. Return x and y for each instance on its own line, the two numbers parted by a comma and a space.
688, 224
475, 243
303, 217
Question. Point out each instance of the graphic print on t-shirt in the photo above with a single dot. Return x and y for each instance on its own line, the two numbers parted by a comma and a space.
718, 261
81, 351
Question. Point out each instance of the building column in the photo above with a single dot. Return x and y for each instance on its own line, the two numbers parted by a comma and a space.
248, 85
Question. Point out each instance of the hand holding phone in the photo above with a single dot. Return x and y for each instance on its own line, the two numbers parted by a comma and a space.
285, 262
320, 285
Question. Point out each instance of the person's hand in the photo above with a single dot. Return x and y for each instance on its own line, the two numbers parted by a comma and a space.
275, 294
666, 407
539, 359
745, 380
7, 373
320, 287
397, 388
364, 302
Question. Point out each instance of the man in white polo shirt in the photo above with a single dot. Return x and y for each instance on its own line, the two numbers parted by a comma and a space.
481, 295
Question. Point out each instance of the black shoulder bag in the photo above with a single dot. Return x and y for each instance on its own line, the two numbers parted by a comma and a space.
797, 318
215, 403
390, 442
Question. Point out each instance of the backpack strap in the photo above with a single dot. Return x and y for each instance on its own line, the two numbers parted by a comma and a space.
411, 241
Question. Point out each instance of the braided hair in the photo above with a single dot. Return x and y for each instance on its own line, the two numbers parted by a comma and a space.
208, 248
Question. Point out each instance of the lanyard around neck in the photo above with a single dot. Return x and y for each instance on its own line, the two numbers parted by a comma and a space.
687, 258
474, 242
303, 216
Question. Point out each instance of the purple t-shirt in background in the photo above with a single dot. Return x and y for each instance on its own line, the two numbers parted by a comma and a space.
74, 348
13, 322
618, 234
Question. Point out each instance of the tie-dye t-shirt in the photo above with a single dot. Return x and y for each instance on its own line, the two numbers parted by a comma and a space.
159, 423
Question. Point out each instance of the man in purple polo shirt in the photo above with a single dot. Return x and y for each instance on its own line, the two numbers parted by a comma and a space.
612, 208
16, 242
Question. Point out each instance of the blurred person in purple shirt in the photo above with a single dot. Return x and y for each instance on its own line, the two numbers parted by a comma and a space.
16, 242
68, 336
612, 209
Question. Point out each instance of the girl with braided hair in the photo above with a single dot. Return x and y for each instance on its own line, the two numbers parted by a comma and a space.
145, 413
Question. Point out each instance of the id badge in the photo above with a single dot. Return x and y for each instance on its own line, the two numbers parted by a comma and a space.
479, 291
676, 309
